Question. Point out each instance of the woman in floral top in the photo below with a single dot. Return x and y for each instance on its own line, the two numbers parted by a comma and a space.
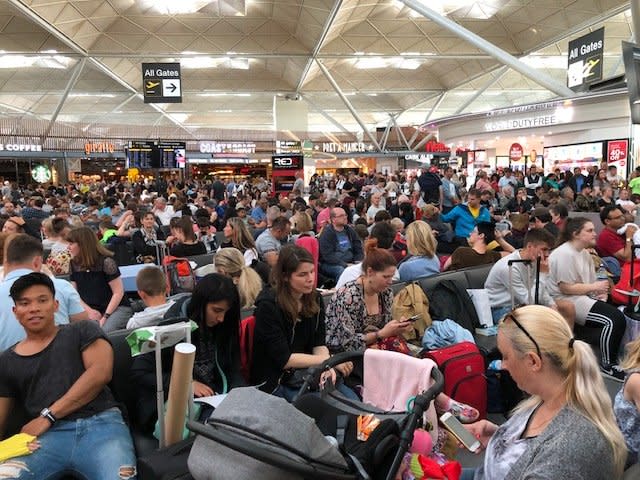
359, 313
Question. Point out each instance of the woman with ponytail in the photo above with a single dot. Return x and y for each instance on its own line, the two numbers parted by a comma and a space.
231, 263
566, 428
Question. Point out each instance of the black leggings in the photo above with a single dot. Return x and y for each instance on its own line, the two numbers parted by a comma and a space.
613, 324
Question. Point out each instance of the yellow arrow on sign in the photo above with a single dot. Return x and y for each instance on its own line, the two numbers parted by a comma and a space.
152, 84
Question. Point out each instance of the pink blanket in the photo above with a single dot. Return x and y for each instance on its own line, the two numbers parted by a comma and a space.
392, 378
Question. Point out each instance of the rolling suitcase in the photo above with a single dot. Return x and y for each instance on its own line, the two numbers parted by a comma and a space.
463, 367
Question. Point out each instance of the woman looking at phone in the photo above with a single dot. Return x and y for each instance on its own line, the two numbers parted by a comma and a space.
566, 429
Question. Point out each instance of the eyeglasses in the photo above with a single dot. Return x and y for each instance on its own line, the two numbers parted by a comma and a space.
510, 316
615, 218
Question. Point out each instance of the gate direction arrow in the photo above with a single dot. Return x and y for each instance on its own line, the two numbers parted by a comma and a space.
172, 87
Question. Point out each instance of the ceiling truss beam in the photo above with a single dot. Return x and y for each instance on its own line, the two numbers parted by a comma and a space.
503, 57
347, 103
492, 81
41, 22
316, 50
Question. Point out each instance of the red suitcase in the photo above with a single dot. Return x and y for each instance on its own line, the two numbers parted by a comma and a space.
463, 368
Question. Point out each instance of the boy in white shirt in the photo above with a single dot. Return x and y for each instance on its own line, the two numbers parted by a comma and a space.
151, 283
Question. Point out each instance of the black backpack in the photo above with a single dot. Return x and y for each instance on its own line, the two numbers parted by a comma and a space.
448, 299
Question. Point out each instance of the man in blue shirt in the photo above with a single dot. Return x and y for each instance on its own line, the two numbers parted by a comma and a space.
259, 213
24, 256
466, 216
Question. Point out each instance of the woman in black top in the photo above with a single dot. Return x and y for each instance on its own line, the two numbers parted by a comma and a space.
187, 245
215, 307
145, 239
96, 276
290, 331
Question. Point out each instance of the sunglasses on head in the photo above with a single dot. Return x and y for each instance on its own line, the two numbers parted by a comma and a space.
511, 317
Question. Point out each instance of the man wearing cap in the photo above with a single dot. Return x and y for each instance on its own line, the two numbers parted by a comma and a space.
450, 193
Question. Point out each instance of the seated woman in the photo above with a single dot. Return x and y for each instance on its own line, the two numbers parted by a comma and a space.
96, 276
230, 263
59, 259
237, 235
290, 331
145, 240
359, 316
566, 429
215, 307
186, 244
422, 247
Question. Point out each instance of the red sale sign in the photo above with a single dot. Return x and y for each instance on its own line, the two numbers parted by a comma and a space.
617, 154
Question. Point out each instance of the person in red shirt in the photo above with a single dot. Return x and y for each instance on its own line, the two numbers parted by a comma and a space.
610, 243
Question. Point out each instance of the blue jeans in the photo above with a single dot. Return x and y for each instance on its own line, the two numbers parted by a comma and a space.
498, 312
468, 473
94, 448
289, 393
331, 271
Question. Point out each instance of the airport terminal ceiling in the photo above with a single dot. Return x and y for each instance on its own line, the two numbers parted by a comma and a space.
74, 68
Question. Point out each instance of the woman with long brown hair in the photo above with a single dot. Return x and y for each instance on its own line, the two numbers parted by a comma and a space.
290, 332
96, 276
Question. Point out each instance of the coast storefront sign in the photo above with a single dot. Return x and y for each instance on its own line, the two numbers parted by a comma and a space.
227, 147
20, 147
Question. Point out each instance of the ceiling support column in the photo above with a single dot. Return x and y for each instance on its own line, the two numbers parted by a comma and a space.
503, 57
347, 103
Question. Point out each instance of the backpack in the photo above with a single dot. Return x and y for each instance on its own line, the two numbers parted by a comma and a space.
180, 276
410, 301
448, 299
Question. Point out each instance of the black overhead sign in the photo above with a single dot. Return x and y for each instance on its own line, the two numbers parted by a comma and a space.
161, 83
287, 162
585, 60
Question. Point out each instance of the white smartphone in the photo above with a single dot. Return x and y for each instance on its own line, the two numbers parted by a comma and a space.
463, 435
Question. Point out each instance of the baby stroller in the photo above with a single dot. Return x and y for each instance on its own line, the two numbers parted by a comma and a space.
255, 435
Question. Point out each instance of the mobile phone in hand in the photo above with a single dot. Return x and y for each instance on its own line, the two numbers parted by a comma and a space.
463, 435
414, 318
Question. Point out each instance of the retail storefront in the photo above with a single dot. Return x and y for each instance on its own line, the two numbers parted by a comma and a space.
520, 136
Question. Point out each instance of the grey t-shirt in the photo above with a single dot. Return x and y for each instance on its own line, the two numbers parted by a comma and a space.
37, 381
568, 265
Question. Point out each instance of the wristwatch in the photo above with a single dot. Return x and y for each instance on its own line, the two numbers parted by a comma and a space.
46, 413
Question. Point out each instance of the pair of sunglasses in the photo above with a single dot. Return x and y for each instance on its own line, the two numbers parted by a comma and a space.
511, 317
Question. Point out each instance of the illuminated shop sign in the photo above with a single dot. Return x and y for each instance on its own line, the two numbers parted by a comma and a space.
227, 147
560, 115
348, 147
20, 147
288, 146
99, 147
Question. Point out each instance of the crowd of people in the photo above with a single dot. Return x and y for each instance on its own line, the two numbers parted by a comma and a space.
354, 234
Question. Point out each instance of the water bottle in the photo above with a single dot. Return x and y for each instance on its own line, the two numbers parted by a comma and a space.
601, 273
495, 365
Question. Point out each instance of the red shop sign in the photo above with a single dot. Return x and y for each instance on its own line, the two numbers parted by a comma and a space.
516, 152
617, 152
